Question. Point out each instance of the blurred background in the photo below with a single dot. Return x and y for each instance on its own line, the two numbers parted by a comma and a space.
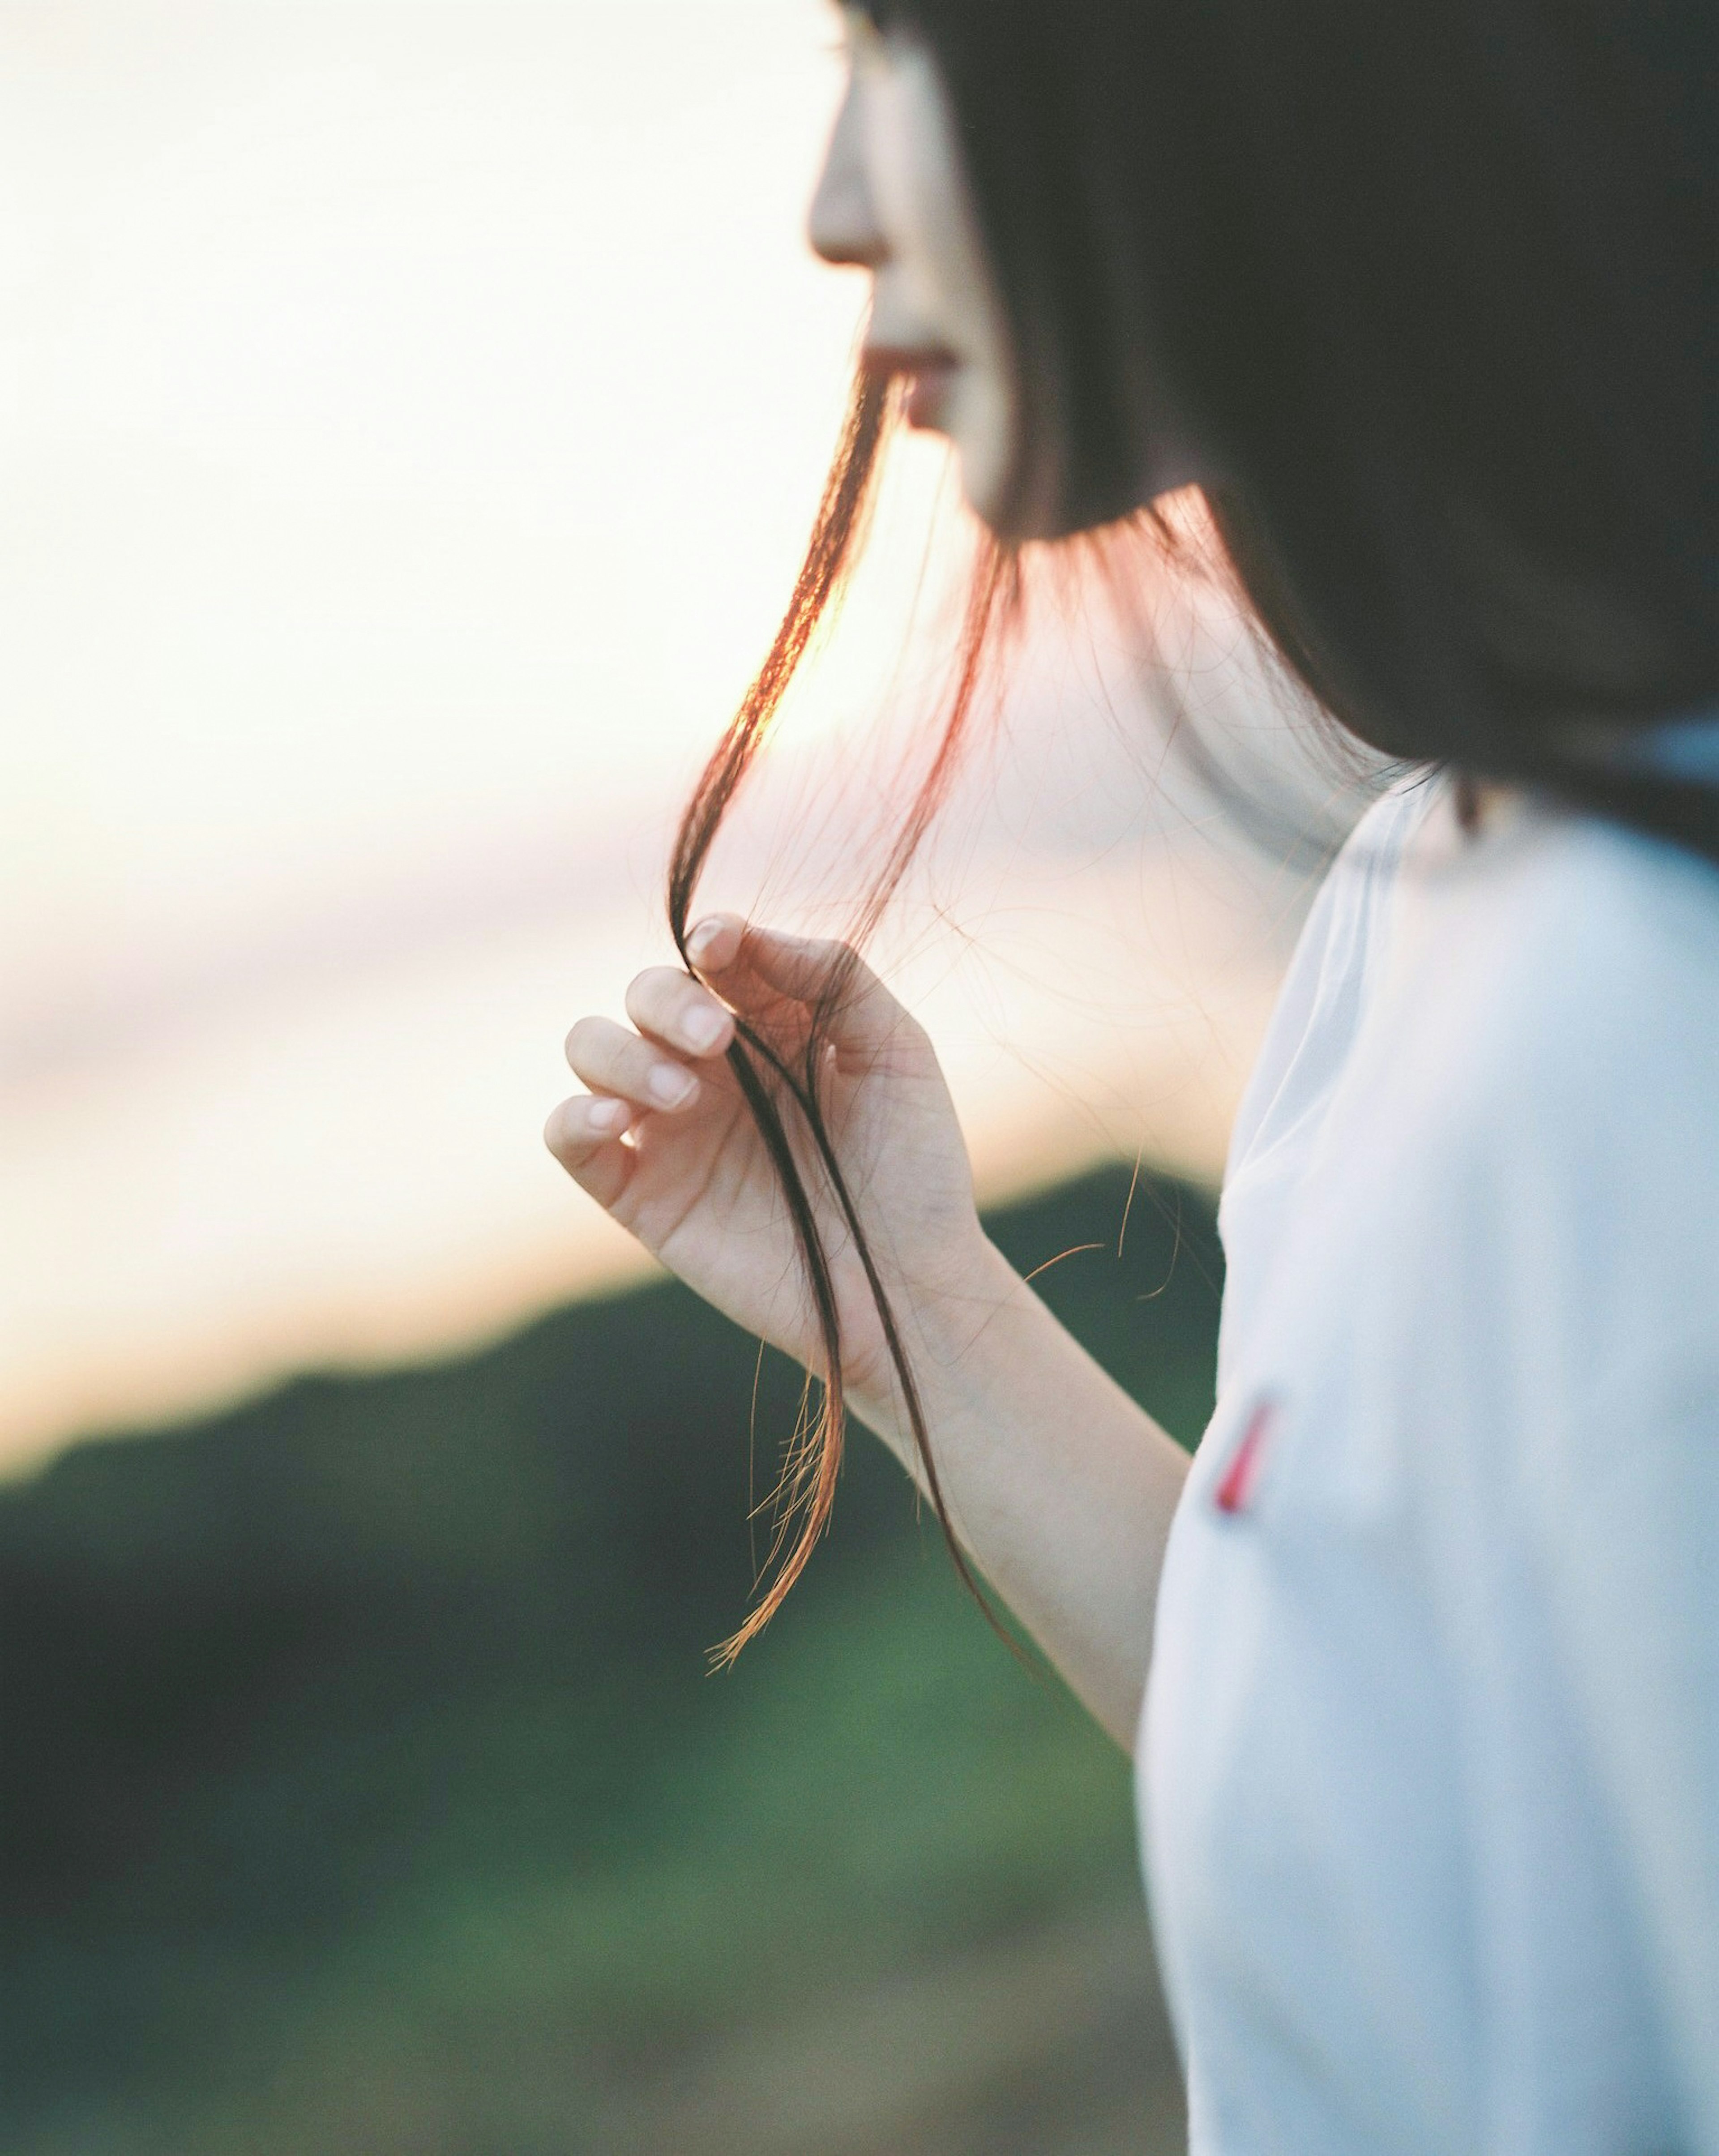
411, 412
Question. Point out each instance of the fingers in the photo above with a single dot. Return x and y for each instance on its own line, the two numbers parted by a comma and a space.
714, 944
612, 1058
683, 1027
631, 1076
680, 1013
585, 1136
804, 969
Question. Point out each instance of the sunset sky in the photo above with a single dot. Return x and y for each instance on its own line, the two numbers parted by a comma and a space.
410, 415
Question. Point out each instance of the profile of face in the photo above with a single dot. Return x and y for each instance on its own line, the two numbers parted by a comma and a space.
893, 200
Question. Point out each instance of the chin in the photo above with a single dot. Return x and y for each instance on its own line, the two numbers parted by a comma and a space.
1016, 508
1022, 486
980, 421
1015, 489
988, 482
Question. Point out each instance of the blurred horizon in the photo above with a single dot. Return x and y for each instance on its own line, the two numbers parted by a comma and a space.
411, 416
368, 1788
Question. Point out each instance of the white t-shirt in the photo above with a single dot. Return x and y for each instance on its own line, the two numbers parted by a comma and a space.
1429, 1769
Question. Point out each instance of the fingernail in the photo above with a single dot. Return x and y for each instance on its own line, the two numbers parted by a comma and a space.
671, 1087
606, 1114
706, 933
702, 1028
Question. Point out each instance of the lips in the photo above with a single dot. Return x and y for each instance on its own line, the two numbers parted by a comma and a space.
928, 394
929, 372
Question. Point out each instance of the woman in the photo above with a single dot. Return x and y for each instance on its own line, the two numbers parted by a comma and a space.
1424, 297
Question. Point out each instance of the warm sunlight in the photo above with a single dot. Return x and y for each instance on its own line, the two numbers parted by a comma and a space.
412, 417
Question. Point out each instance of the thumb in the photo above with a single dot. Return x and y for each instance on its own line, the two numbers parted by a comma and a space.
741, 959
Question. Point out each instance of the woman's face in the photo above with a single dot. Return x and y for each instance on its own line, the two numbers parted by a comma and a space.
893, 200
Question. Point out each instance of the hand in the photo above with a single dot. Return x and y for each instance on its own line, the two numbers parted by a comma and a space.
663, 1142
1058, 1485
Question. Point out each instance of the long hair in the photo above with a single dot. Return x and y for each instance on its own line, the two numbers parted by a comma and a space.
1430, 287
781, 1087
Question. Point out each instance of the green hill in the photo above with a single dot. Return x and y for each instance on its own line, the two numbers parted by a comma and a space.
364, 1789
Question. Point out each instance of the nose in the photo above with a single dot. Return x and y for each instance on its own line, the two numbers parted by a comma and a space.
843, 225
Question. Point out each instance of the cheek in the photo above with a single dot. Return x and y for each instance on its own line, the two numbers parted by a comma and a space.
937, 279
894, 160
919, 192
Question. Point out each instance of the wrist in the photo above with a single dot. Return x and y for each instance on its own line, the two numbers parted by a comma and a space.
952, 1333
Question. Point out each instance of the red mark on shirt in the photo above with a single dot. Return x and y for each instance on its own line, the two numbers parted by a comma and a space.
1235, 1492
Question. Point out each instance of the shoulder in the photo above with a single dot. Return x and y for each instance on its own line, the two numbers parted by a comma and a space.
1545, 1097
1325, 990
1511, 1215
1497, 1125
1573, 968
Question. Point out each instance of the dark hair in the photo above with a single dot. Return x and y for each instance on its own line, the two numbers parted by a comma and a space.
1434, 285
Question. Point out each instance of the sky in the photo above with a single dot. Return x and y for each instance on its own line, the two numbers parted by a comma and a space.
410, 417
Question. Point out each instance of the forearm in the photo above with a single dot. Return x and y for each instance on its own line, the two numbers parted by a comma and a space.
1059, 1487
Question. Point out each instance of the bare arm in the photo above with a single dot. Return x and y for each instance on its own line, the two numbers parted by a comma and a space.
1060, 1487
